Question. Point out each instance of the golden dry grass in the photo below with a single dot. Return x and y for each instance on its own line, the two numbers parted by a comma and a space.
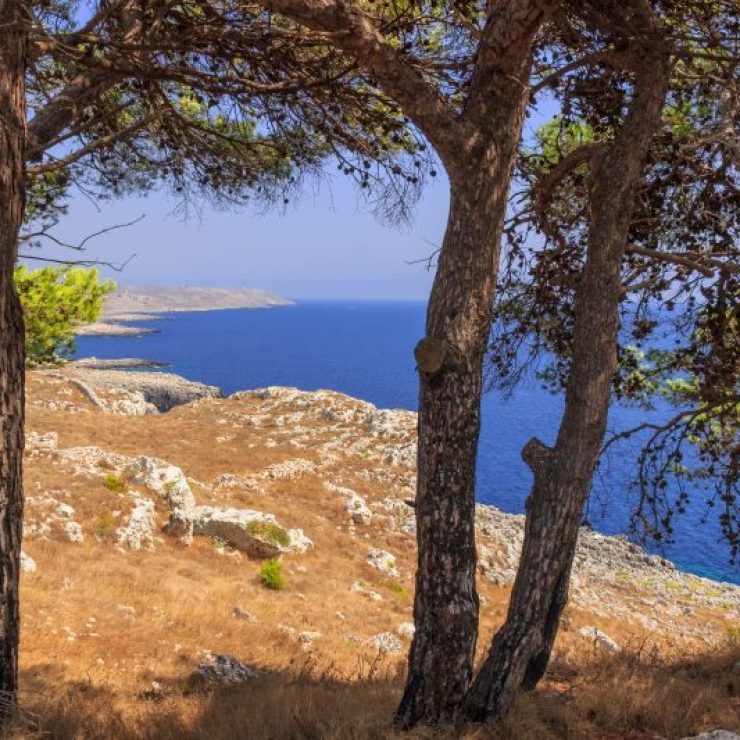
616, 698
99, 626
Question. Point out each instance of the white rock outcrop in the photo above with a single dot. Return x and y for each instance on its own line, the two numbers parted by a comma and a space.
600, 638
74, 532
138, 531
383, 561
28, 564
386, 642
253, 532
358, 510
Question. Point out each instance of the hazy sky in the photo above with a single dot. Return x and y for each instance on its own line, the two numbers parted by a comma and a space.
328, 244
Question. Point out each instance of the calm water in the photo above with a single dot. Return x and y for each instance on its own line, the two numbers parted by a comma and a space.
364, 349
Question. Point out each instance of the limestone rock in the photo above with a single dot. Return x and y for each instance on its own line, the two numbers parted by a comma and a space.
254, 532
74, 532
358, 510
167, 481
138, 531
406, 630
28, 564
42, 442
383, 561
600, 638
386, 642
225, 670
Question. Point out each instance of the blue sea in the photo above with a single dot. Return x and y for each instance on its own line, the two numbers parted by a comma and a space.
365, 349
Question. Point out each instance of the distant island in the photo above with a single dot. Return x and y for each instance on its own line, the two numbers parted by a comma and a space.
145, 303
167, 299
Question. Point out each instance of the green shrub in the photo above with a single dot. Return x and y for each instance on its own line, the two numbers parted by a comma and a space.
271, 574
115, 483
268, 532
55, 301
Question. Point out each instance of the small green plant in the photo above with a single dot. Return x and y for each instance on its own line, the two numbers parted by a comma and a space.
271, 574
268, 532
397, 589
106, 525
115, 483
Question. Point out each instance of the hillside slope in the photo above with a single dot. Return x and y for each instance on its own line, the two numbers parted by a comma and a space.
145, 533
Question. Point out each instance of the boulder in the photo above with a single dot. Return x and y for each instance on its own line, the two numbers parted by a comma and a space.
253, 532
600, 638
406, 630
166, 480
74, 532
138, 531
383, 561
225, 670
358, 510
28, 564
715, 735
386, 642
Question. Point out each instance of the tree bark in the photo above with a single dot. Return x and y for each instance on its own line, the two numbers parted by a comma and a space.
521, 649
13, 48
450, 361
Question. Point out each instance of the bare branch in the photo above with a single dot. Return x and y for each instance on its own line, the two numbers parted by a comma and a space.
80, 263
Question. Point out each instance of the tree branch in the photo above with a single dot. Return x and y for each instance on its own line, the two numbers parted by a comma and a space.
355, 33
692, 261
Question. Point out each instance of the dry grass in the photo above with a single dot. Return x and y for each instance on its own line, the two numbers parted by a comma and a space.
99, 626
621, 697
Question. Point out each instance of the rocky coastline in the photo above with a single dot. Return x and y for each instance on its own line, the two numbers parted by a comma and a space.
642, 587
142, 304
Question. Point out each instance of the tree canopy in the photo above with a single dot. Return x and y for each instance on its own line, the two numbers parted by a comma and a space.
679, 341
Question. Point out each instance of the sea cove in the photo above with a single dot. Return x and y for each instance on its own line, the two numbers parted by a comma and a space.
364, 349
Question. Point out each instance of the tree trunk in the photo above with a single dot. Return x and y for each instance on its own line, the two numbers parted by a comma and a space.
521, 649
13, 44
450, 360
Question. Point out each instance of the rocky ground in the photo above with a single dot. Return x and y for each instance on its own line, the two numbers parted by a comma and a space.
145, 533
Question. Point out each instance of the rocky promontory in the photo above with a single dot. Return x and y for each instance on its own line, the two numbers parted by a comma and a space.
129, 302
141, 304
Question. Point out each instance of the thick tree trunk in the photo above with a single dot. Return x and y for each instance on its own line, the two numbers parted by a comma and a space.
13, 44
521, 649
450, 360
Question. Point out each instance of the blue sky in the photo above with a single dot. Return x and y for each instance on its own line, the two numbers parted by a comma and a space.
326, 245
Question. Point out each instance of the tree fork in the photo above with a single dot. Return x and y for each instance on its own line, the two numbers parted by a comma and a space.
521, 649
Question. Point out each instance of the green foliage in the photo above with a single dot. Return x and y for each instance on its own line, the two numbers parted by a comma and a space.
399, 590
271, 574
115, 483
55, 301
268, 532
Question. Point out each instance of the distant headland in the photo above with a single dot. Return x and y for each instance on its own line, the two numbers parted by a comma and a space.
145, 303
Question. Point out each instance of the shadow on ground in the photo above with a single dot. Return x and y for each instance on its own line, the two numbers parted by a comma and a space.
630, 695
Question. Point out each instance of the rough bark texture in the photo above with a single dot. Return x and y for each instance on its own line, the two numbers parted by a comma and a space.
477, 147
450, 360
13, 44
562, 475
